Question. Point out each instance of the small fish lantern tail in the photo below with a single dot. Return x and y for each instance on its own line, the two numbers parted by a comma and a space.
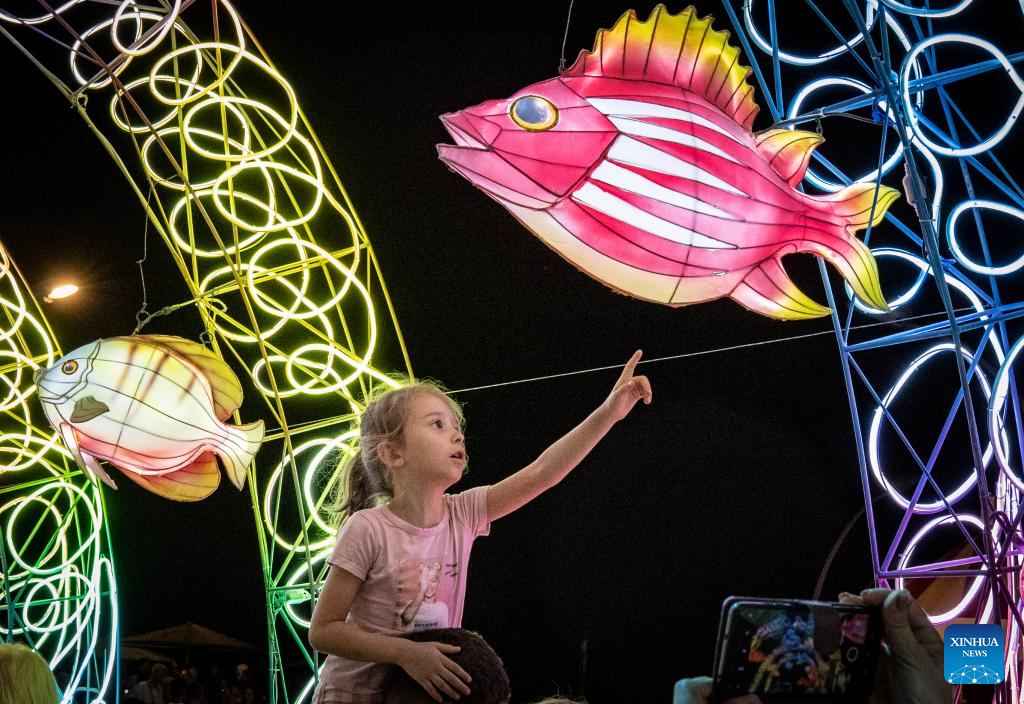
238, 448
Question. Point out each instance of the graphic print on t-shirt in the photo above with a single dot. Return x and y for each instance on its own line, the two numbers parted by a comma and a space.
419, 602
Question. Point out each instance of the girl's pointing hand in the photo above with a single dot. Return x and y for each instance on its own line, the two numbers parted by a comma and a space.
628, 390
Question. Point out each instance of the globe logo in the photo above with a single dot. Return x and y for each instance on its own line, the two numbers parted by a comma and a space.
973, 653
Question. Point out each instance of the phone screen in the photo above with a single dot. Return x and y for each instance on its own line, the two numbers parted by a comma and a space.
796, 649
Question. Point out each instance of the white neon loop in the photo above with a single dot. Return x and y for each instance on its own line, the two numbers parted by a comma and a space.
51, 597
876, 423
794, 110
307, 689
232, 249
16, 394
299, 576
997, 402
289, 125
264, 333
58, 623
327, 446
342, 443
172, 181
926, 270
196, 90
926, 12
359, 367
297, 362
22, 442
321, 256
912, 114
234, 108
869, 19
105, 78
951, 234
40, 19
58, 547
167, 23
266, 166
976, 583
118, 111
266, 303
21, 314
23, 502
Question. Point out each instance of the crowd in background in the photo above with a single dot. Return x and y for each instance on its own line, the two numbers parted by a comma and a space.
160, 683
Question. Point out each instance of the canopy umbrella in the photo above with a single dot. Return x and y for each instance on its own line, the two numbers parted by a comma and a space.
133, 652
188, 636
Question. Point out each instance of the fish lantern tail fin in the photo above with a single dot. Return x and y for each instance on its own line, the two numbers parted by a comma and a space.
238, 448
860, 205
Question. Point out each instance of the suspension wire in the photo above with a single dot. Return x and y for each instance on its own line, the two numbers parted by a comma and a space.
699, 353
565, 37
143, 316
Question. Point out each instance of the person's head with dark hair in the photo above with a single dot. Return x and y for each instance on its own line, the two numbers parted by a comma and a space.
490, 682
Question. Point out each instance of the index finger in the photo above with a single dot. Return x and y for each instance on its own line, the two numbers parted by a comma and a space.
627, 371
455, 668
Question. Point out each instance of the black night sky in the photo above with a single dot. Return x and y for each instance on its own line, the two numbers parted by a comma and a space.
737, 480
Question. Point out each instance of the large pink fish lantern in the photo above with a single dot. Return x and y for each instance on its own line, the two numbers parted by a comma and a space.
153, 406
637, 165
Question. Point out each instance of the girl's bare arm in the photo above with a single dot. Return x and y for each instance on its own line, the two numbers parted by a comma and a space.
564, 454
426, 663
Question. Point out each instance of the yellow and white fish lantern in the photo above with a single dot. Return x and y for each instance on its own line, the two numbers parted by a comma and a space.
155, 407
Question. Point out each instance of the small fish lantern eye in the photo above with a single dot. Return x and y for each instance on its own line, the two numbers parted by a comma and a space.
69, 367
533, 113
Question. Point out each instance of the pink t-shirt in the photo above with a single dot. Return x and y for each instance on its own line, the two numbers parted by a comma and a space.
413, 579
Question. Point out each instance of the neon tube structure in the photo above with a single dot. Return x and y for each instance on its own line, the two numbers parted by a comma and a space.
212, 139
932, 387
58, 591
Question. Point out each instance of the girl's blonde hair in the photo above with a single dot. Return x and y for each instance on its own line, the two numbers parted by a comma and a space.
25, 677
365, 481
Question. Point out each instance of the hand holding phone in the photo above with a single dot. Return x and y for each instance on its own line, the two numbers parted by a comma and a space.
788, 650
912, 674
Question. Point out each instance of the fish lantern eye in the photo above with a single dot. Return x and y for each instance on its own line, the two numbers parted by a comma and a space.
69, 367
533, 113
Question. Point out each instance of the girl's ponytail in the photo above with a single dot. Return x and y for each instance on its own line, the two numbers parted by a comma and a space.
359, 487
364, 481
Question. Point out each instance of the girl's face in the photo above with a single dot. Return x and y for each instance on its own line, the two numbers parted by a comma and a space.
432, 448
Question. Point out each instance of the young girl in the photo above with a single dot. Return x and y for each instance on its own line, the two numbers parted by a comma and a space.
391, 558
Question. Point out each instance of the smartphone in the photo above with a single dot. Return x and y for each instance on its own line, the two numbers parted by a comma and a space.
786, 650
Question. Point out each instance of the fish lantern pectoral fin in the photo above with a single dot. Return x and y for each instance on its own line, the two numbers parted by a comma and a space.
87, 463
87, 408
638, 166
162, 420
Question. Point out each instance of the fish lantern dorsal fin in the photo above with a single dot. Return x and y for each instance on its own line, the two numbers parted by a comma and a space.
681, 50
788, 152
227, 391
